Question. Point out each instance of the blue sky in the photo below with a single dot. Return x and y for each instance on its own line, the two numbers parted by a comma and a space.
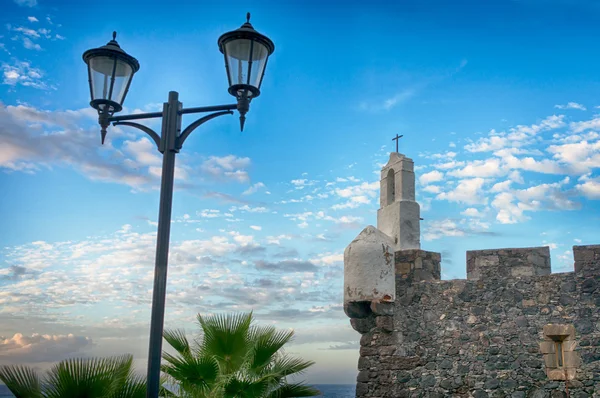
497, 101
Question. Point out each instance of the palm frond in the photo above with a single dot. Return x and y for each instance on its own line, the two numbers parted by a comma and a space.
286, 365
192, 374
266, 344
240, 388
22, 381
226, 339
96, 377
294, 390
177, 339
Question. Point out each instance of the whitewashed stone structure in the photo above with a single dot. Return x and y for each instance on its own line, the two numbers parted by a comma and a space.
399, 213
369, 273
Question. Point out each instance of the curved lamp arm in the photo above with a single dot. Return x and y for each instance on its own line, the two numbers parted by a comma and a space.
145, 129
188, 130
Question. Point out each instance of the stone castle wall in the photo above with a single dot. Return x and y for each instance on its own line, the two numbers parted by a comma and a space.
481, 337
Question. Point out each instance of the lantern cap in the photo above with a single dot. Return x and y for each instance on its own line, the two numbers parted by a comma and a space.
246, 31
112, 49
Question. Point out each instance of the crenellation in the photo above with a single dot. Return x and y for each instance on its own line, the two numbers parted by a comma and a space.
586, 257
503, 263
511, 329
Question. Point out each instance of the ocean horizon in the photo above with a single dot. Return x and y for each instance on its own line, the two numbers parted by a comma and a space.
327, 391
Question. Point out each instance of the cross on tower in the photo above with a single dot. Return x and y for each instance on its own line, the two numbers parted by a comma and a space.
396, 139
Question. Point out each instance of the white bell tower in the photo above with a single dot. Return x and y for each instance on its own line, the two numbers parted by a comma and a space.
399, 214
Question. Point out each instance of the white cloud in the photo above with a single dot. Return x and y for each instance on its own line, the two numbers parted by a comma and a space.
432, 176
353, 203
228, 167
432, 189
329, 259
26, 3
512, 204
471, 212
256, 227
27, 32
363, 189
388, 103
276, 240
590, 189
515, 137
210, 213
467, 191
480, 168
28, 44
571, 105
448, 165
254, 188
32, 19
440, 228
580, 157
578, 127
41, 348
501, 186
246, 208
22, 73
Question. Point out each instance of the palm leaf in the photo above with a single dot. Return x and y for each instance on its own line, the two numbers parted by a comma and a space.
294, 390
266, 344
89, 378
192, 374
237, 388
177, 339
226, 339
22, 381
133, 386
285, 365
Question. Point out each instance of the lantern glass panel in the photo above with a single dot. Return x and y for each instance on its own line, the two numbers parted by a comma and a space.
238, 57
101, 70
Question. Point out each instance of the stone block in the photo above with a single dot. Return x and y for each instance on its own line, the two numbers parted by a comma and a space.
572, 359
417, 265
385, 323
547, 347
363, 325
561, 331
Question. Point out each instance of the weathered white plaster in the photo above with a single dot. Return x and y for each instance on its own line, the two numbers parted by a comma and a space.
369, 267
399, 215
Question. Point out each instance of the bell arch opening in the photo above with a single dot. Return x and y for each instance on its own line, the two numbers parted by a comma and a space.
391, 187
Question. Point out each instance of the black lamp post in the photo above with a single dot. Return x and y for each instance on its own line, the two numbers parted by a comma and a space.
110, 71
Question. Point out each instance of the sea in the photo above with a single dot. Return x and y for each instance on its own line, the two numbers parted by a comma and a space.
327, 390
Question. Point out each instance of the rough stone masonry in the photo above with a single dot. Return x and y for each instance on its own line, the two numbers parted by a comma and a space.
512, 329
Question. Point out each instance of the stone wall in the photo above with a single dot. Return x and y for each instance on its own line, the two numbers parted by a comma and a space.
480, 337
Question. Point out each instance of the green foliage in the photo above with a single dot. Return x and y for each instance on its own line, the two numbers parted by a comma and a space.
77, 378
234, 359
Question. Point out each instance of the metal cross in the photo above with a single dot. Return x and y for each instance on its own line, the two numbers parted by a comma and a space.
396, 139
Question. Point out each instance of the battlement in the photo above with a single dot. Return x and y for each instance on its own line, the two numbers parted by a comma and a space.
504, 263
495, 332
511, 329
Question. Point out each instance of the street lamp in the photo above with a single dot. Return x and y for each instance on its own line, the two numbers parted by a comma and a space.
110, 71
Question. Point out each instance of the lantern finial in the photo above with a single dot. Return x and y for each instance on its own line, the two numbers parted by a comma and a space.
247, 17
115, 35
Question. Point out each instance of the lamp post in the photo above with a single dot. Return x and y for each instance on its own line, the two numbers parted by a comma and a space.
110, 71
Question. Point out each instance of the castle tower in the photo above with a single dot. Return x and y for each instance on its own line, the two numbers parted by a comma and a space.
399, 213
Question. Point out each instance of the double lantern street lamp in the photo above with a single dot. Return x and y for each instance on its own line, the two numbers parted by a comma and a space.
110, 71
